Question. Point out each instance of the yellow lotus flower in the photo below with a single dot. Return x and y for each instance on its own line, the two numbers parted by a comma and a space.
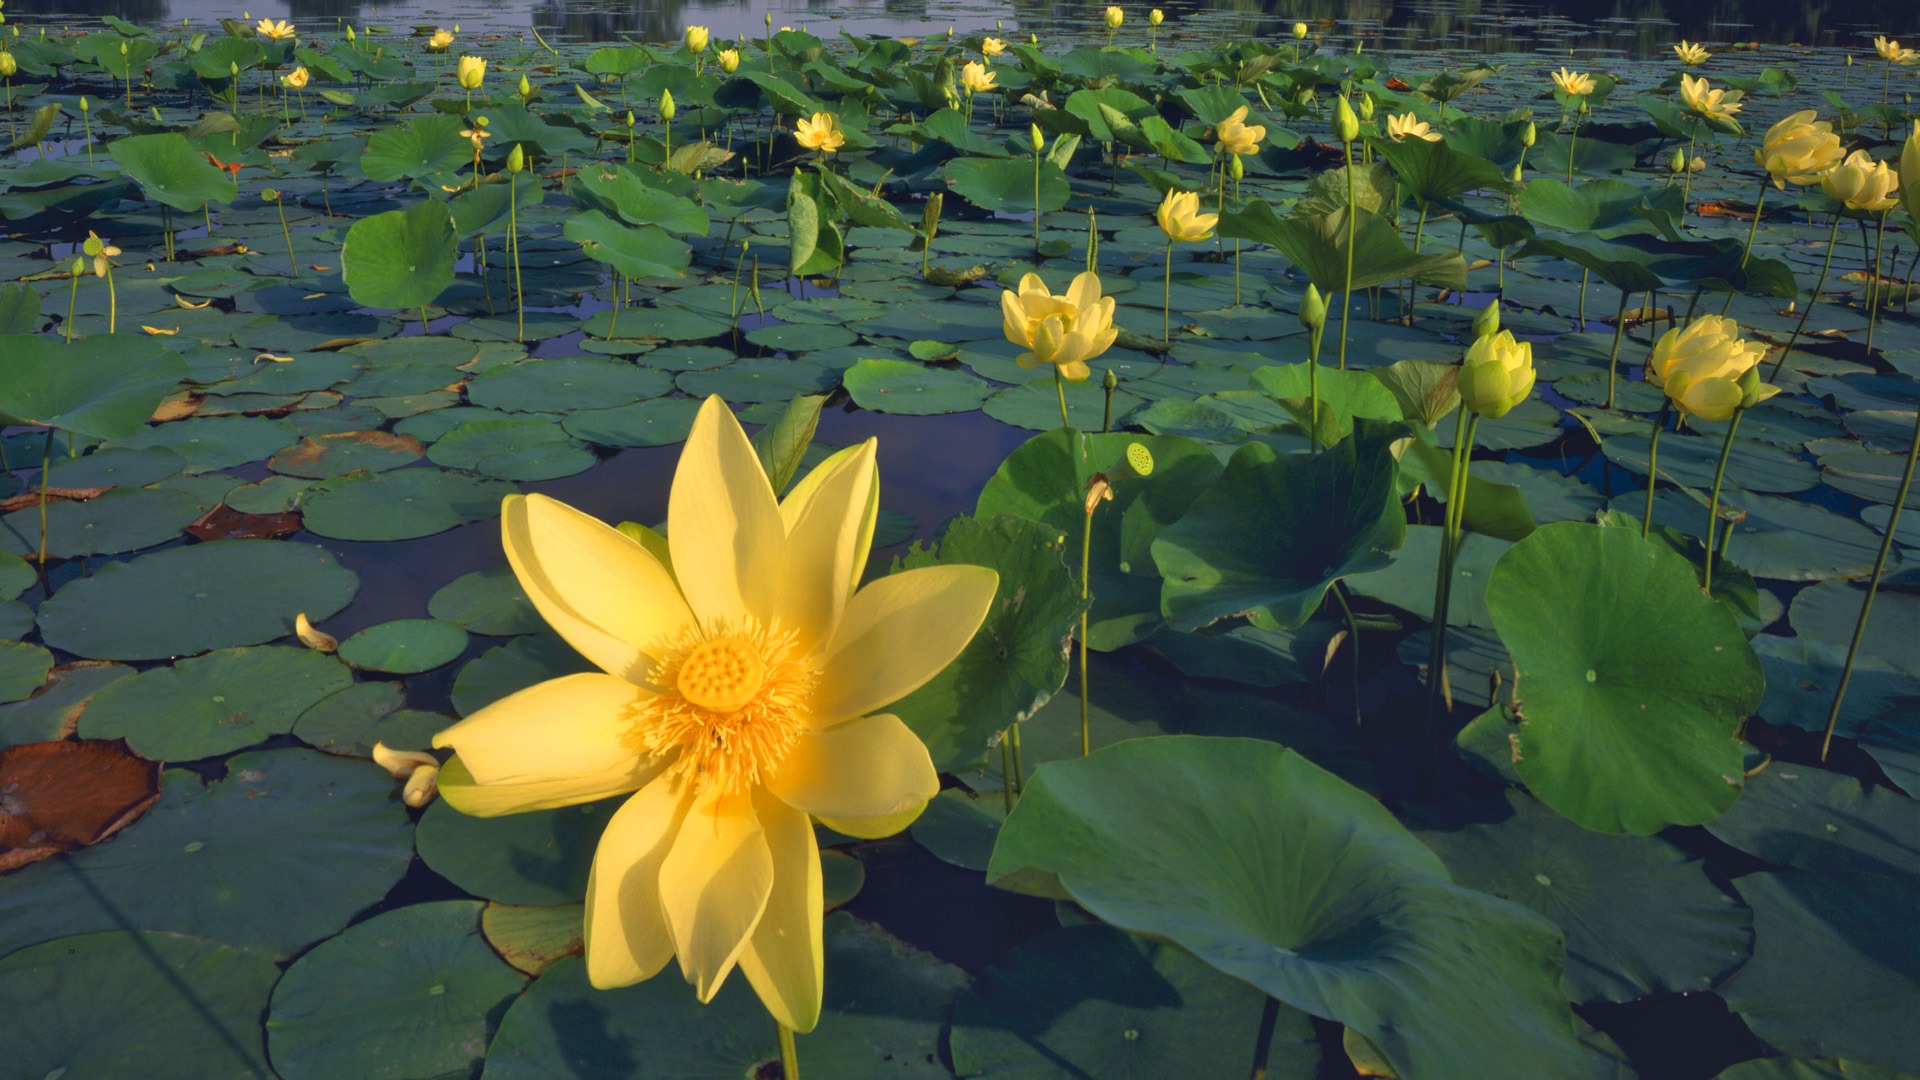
8, 65
1573, 82
1694, 55
821, 132
1799, 150
1406, 125
1156, 17
729, 60
1114, 17
992, 46
440, 40
1062, 331
697, 38
1700, 366
1496, 375
471, 72
1863, 183
274, 31
296, 79
1236, 136
1299, 31
1892, 53
738, 700
1910, 172
1180, 217
976, 78
1712, 104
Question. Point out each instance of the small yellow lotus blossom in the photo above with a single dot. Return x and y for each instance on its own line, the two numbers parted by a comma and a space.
697, 38
991, 47
1236, 136
1799, 150
1156, 17
739, 700
1061, 331
440, 41
1114, 17
471, 72
1299, 31
1576, 83
1700, 366
1863, 184
1892, 53
975, 76
1406, 125
1711, 104
729, 60
820, 132
1691, 54
296, 79
274, 31
475, 135
1180, 218
1497, 375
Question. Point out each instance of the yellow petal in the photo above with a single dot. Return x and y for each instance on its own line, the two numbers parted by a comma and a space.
1084, 292
817, 565
1013, 319
897, 633
784, 959
460, 791
871, 767
597, 588
874, 828
626, 928
723, 523
563, 728
803, 492
714, 886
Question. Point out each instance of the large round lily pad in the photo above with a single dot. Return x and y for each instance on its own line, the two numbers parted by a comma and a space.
191, 599
405, 646
400, 505
540, 857
215, 703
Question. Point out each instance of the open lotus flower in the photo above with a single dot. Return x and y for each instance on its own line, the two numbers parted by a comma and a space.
1236, 136
441, 40
1406, 125
992, 46
1692, 54
1700, 366
1862, 183
1497, 375
1180, 218
1892, 53
1712, 104
1062, 331
820, 132
738, 700
471, 72
1576, 83
274, 30
976, 77
1799, 150
296, 79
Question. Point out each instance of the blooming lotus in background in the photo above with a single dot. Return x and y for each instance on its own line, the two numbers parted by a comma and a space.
273, 30
991, 47
1799, 150
1892, 53
820, 132
1711, 104
1236, 136
1700, 366
1496, 375
976, 77
1114, 17
738, 700
1063, 332
441, 40
1576, 83
729, 60
1862, 183
296, 79
1690, 54
471, 72
1180, 218
697, 38
1406, 125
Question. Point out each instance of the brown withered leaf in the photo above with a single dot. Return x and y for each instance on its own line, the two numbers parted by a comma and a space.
54, 494
178, 407
61, 796
223, 522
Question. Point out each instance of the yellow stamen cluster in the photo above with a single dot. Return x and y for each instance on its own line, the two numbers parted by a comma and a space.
731, 703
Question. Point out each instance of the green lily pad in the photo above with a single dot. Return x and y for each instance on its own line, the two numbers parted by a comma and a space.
215, 442
412, 992
658, 422
171, 170
1813, 819
189, 600
769, 379
540, 857
1035, 405
910, 389
348, 721
405, 646
123, 519
215, 703
399, 505
1407, 582
565, 384
533, 939
49, 714
1277, 873
105, 386
1618, 734
1803, 1069
514, 666
121, 1003
23, 669
402, 259
1828, 612
959, 827
512, 450
280, 853
488, 601
320, 457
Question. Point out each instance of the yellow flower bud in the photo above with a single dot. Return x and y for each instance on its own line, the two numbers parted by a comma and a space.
1180, 218
526, 88
471, 72
1346, 126
8, 65
1156, 17
1299, 31
1313, 309
1799, 150
516, 159
1529, 135
1497, 375
1038, 137
1114, 17
666, 106
697, 38
729, 60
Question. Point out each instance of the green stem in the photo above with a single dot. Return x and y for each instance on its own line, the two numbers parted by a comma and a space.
292, 263
46, 471
1166, 302
1018, 778
1713, 503
1443, 580
113, 305
1353, 644
789, 1057
1873, 287
1314, 336
1263, 1042
1573, 143
1613, 358
1346, 292
1086, 562
1653, 471
513, 242
1832, 235
1752, 229
1060, 391
73, 294
1036, 207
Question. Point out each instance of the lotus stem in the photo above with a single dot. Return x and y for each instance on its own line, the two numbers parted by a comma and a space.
1263, 1042
1873, 287
1582, 316
1017, 778
1236, 245
513, 246
789, 1056
46, 471
1006, 769
1653, 472
1036, 212
1166, 301
1060, 391
113, 302
1086, 573
1686, 182
73, 294
1713, 503
1353, 644
1463, 433
1747, 252
292, 263
1613, 358
1346, 292
1832, 235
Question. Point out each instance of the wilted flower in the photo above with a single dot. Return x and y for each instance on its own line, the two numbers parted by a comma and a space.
1497, 375
1863, 183
1236, 136
976, 77
1180, 217
697, 38
1799, 150
729, 60
821, 132
1406, 125
1699, 366
274, 30
1712, 104
1573, 82
1062, 331
471, 72
100, 251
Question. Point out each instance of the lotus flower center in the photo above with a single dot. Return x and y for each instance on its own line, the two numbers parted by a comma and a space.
722, 675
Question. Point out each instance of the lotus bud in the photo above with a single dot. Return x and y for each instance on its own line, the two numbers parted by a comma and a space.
85, 105
1909, 171
1033, 39
697, 38
1109, 381
402, 763
1236, 167
1529, 135
233, 70
1487, 323
930, 218
1678, 162
516, 159
769, 20
1114, 16
1366, 107
79, 266
629, 117
666, 106
1039, 138
1497, 375
1299, 31
93, 246
729, 60
1753, 389
1346, 126
321, 641
1156, 17
1517, 169
526, 88
349, 34
1313, 310
8, 65
269, 195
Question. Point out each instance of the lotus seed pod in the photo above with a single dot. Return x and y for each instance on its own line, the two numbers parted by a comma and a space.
93, 246
1346, 126
1139, 458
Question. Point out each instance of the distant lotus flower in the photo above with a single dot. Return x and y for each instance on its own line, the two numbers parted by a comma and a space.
274, 31
1114, 17
472, 72
296, 79
1892, 53
729, 60
441, 40
1497, 375
101, 251
1799, 150
1576, 83
1863, 184
697, 38
820, 132
1299, 31
1156, 17
8, 65
1063, 332
1236, 136
1712, 104
1180, 218
1406, 125
1700, 365
992, 46
1694, 55
976, 77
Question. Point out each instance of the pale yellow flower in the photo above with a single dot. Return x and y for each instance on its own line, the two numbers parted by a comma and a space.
1576, 83
1799, 150
1496, 375
472, 71
697, 38
992, 46
1892, 53
1699, 366
1863, 183
296, 79
1712, 104
1180, 217
1156, 17
1299, 31
738, 700
729, 60
1910, 172
1062, 331
440, 41
1236, 136
1690, 54
1114, 17
1406, 125
976, 78
820, 132
274, 30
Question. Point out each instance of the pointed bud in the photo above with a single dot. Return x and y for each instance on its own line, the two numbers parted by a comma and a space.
1346, 126
1678, 162
1529, 135
1517, 168
1039, 138
1299, 31
1753, 390
666, 105
1487, 323
85, 105
516, 159
526, 88
1366, 107
1239, 170
1313, 310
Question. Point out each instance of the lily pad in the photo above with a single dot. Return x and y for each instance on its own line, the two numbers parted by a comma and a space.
488, 601
912, 389
215, 703
399, 505
405, 646
541, 857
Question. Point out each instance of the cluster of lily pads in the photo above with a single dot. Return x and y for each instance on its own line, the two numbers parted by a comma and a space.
1401, 663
